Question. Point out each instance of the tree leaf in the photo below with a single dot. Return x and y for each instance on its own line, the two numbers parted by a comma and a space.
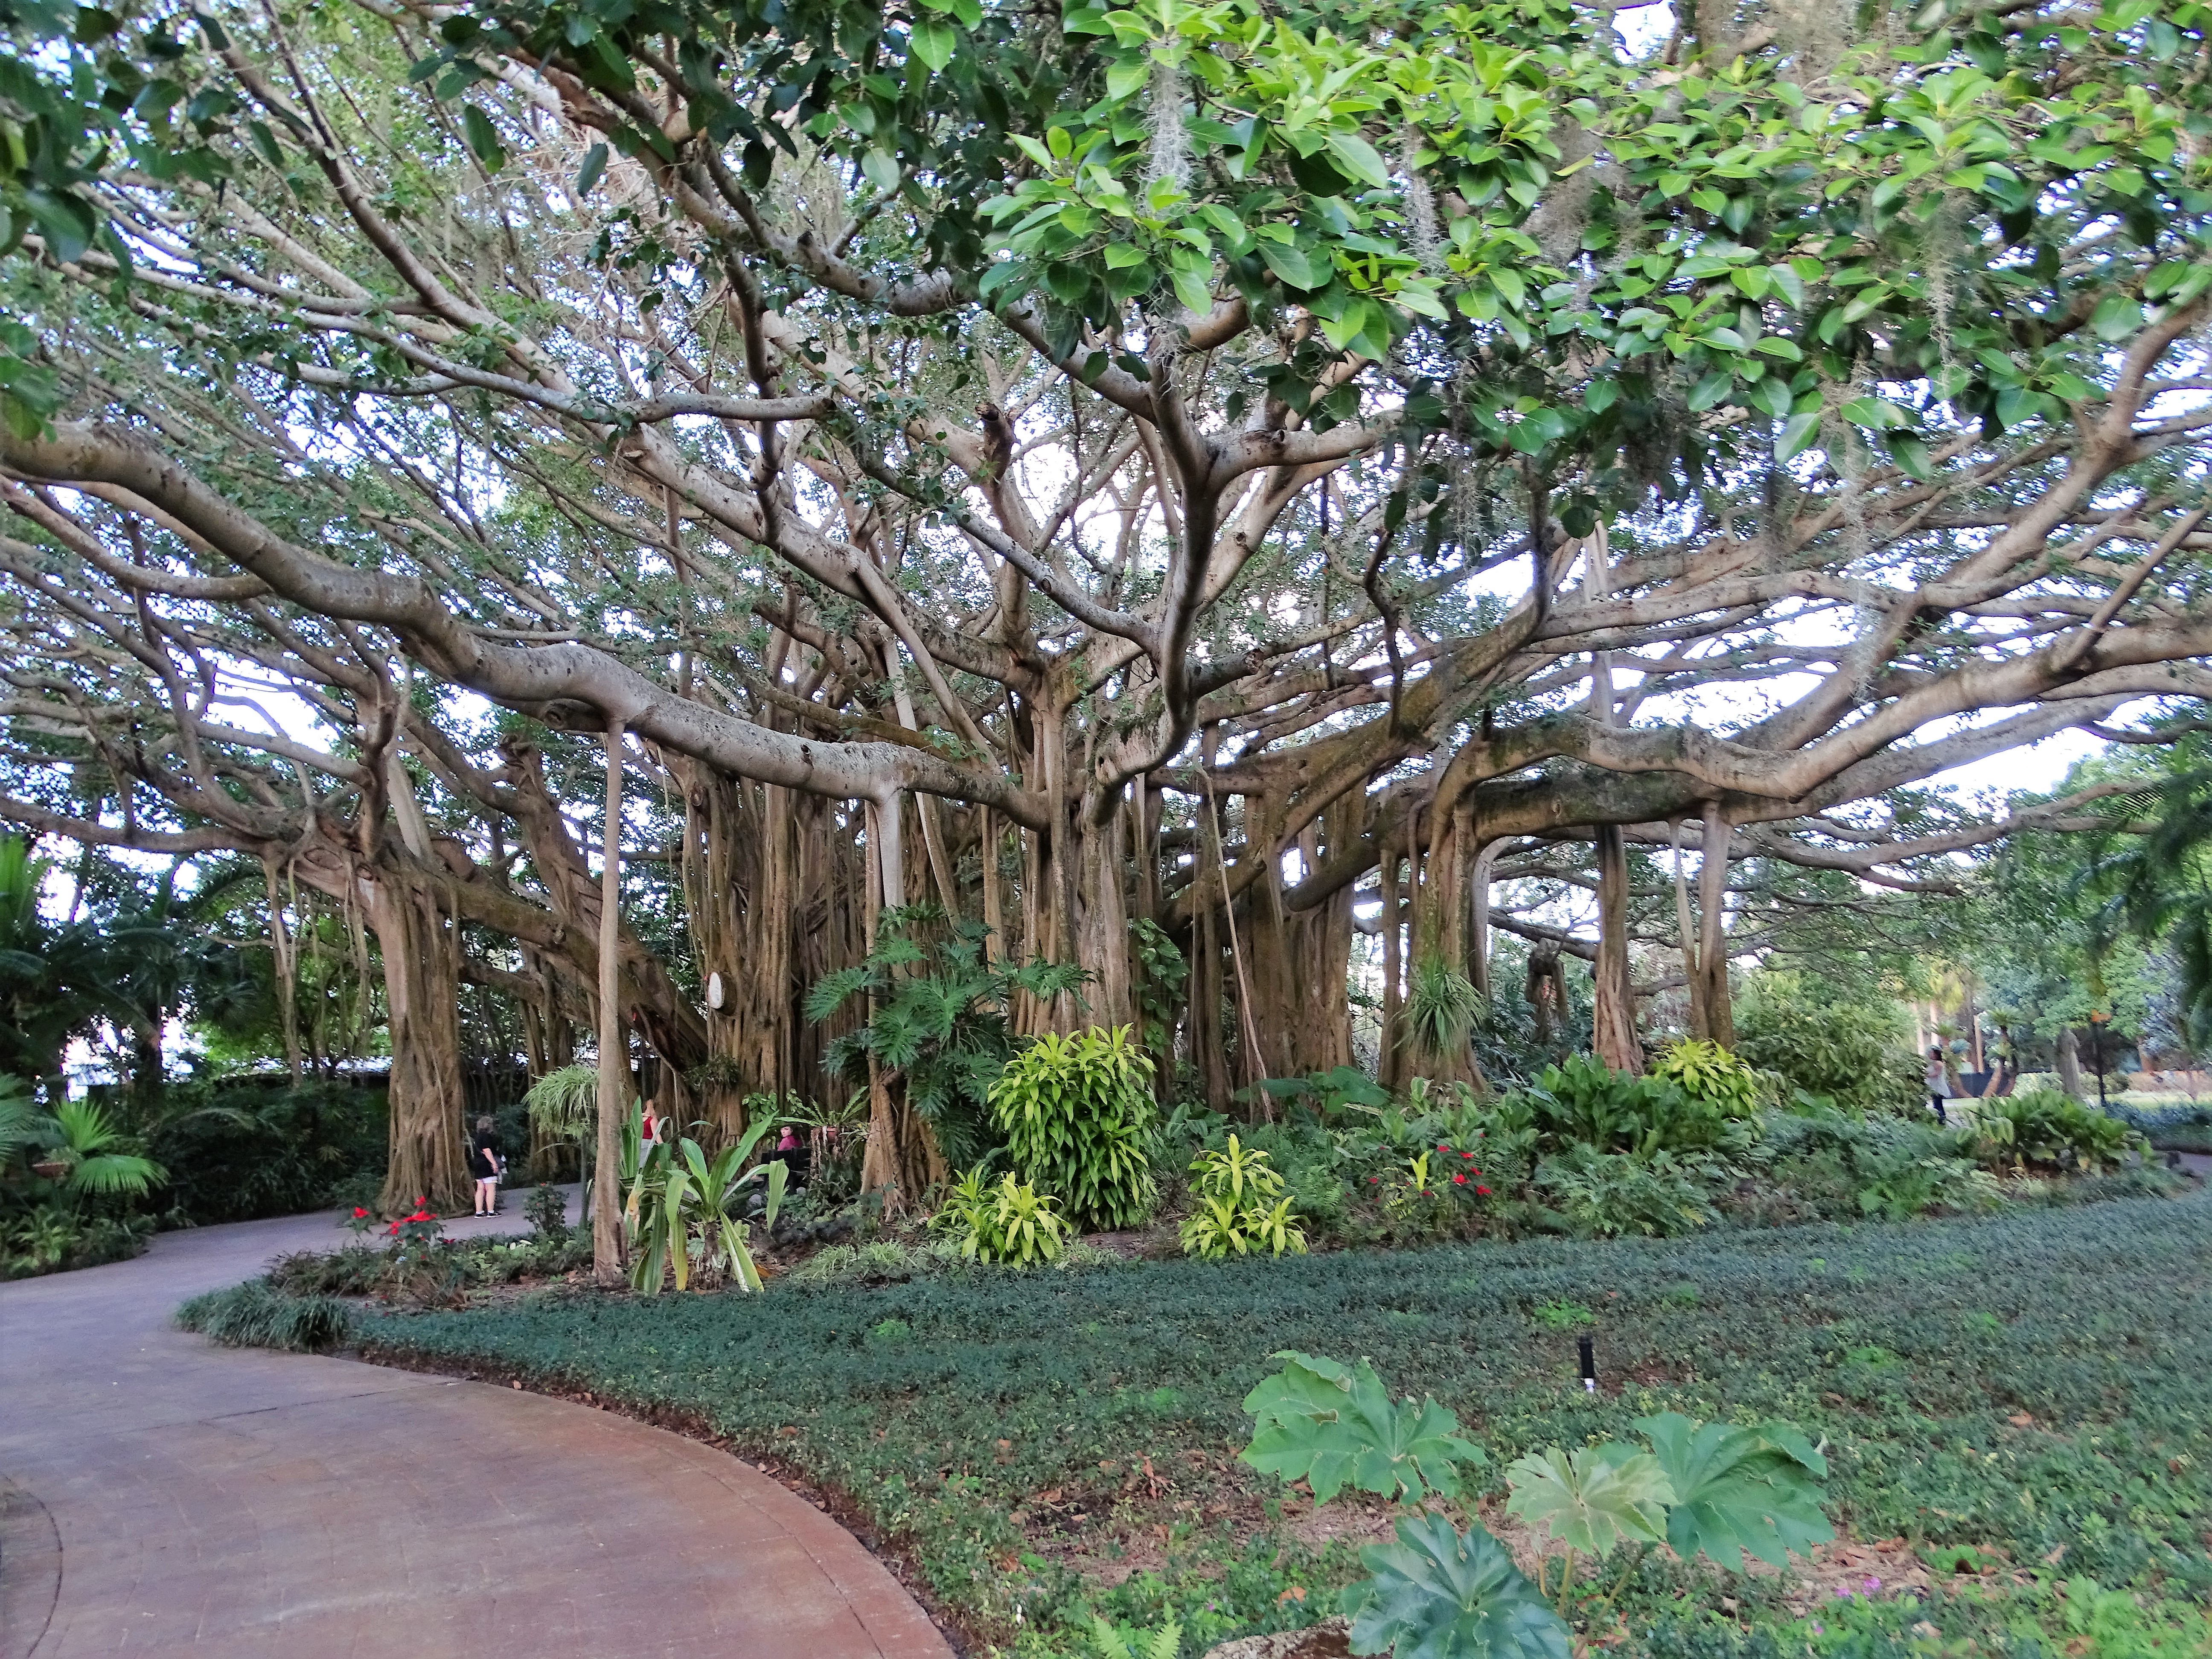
1358, 158
1290, 264
1592, 1497
1334, 1427
2117, 316
484, 138
1798, 435
1440, 1594
1738, 1492
587, 175
933, 43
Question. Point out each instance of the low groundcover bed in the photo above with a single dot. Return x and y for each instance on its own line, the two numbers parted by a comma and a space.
2029, 1395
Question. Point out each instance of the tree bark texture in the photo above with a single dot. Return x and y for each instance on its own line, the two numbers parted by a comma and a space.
421, 956
614, 1046
1714, 997
1612, 1035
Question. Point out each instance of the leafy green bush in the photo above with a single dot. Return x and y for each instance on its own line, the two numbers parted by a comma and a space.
1583, 1102
878, 1262
55, 1237
1705, 1071
939, 1024
2046, 1128
1241, 1209
1725, 1492
682, 1213
1603, 1194
1855, 1054
255, 1316
1076, 1114
238, 1151
1012, 1224
1841, 1166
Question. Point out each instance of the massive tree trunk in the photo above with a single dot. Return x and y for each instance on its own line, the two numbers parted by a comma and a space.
1388, 1067
741, 876
1612, 1034
420, 951
902, 1160
614, 1046
1440, 882
1713, 1000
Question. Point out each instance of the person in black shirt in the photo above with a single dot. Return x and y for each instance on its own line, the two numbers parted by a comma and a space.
483, 1165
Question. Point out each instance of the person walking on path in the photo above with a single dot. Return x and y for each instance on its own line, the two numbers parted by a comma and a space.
483, 1165
1939, 1085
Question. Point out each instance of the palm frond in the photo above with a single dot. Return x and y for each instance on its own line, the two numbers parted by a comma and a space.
115, 1174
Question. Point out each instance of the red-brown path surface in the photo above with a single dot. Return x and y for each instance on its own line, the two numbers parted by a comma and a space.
164, 1496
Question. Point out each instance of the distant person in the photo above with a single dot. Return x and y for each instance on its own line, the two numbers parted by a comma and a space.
1939, 1085
648, 1129
483, 1165
795, 1152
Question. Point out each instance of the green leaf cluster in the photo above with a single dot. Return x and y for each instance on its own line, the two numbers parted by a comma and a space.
1333, 1426
1010, 1225
937, 1020
1076, 1114
1240, 1210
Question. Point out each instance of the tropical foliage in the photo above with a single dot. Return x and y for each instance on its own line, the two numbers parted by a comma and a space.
1076, 1114
937, 1020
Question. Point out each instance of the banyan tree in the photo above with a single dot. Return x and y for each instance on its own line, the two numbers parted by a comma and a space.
1214, 476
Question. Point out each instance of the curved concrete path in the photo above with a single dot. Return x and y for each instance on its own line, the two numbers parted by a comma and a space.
159, 1495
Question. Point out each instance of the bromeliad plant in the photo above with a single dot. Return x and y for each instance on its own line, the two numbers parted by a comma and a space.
683, 1213
1241, 1209
1724, 1493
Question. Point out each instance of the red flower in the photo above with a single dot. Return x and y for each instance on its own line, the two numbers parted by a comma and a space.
1484, 1191
359, 1212
1459, 1180
1467, 1154
1441, 1147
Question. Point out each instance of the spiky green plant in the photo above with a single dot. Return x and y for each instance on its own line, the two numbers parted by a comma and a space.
1441, 1005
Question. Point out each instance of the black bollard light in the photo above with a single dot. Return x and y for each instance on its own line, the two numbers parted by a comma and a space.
1589, 1365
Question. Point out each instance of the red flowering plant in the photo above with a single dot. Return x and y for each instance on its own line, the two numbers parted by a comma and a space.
360, 1221
424, 1266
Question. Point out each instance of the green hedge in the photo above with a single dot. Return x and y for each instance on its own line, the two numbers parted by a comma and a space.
945, 1403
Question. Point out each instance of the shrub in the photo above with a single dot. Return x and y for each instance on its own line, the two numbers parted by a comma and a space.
1844, 1166
1855, 1054
1077, 1113
936, 1019
546, 1209
237, 1151
54, 1238
1601, 1194
2044, 1126
1725, 1492
1583, 1102
1705, 1071
255, 1316
682, 1216
356, 1270
1010, 1224
1241, 1209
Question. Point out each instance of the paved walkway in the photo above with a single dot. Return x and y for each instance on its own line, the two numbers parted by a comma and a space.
159, 1495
